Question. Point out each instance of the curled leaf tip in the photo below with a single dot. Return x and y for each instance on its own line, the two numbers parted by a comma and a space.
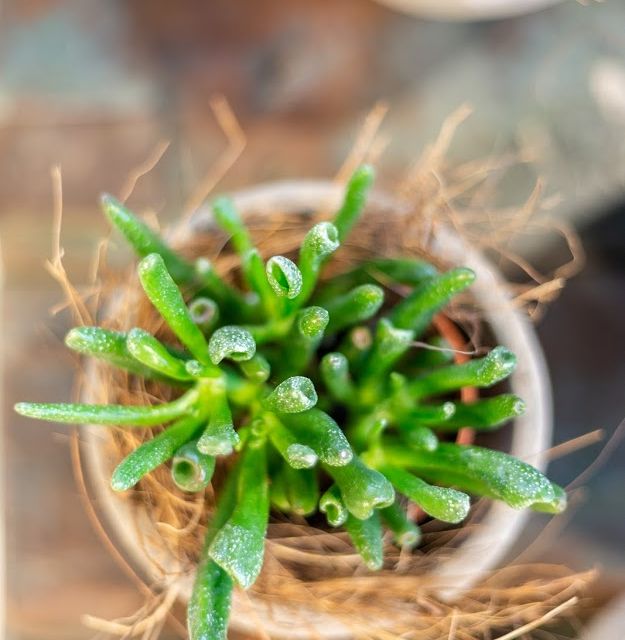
203, 311
293, 395
232, 342
284, 277
322, 239
191, 470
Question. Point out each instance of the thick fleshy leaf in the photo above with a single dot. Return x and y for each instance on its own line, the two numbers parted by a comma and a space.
144, 240
354, 200
191, 469
239, 545
363, 489
448, 505
322, 434
366, 536
167, 298
152, 453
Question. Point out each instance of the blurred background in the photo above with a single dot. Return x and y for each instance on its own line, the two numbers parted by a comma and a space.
96, 87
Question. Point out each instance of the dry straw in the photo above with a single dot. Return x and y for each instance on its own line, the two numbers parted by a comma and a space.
304, 564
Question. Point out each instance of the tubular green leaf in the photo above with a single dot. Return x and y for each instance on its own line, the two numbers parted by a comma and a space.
219, 437
366, 536
303, 339
389, 344
334, 369
302, 489
419, 436
418, 309
296, 454
145, 241
166, 297
332, 505
482, 472
227, 297
191, 469
254, 274
486, 414
381, 271
354, 200
284, 277
363, 489
256, 369
481, 372
433, 415
321, 433
293, 395
108, 414
209, 607
406, 533
106, 345
147, 350
312, 322
239, 545
228, 218
444, 504
152, 453
358, 305
231, 342
321, 241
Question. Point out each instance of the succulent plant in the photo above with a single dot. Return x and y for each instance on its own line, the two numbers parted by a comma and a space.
316, 390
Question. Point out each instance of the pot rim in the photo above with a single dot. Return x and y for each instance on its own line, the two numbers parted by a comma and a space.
484, 547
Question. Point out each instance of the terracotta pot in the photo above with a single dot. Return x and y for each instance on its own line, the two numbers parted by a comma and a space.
529, 435
468, 10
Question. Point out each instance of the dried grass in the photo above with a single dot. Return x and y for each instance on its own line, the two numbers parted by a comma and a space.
308, 568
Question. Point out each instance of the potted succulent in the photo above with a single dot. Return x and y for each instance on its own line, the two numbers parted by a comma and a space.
331, 393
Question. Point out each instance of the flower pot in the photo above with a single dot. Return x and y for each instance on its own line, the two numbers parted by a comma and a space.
468, 9
129, 522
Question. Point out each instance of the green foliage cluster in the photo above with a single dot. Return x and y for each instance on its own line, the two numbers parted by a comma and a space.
317, 390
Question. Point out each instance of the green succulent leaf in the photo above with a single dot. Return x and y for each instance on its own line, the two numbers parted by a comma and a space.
483, 472
418, 309
152, 454
333, 506
334, 369
284, 277
296, 454
448, 505
232, 343
145, 241
167, 298
366, 536
108, 414
481, 372
192, 470
322, 434
319, 243
354, 200
293, 395
406, 533
228, 218
204, 312
238, 546
106, 345
356, 306
151, 353
363, 489
484, 415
